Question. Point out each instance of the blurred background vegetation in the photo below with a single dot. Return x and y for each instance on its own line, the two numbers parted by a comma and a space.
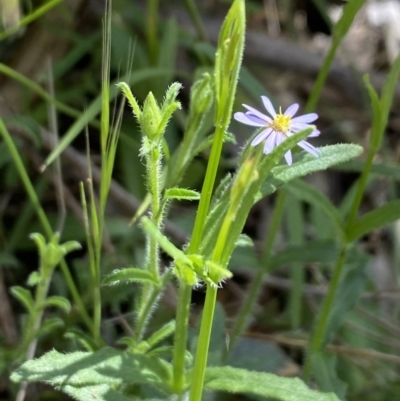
51, 53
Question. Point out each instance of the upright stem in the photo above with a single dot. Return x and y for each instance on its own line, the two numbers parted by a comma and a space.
318, 337
144, 312
196, 389
194, 14
155, 185
256, 285
319, 333
182, 316
152, 24
360, 189
30, 342
199, 371
30, 190
180, 340
149, 293
207, 190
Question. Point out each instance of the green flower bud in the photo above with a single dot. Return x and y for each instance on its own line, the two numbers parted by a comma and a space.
201, 95
151, 117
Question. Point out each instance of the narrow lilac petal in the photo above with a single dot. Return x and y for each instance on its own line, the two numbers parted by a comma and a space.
260, 137
295, 127
280, 138
299, 126
288, 157
270, 143
306, 118
309, 148
314, 133
257, 113
292, 110
268, 105
255, 118
243, 118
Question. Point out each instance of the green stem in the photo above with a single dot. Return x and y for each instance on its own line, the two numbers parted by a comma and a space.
37, 313
194, 14
149, 294
256, 285
97, 308
199, 371
43, 220
318, 337
152, 24
206, 191
34, 87
180, 340
319, 333
362, 184
320, 81
295, 228
155, 182
29, 343
34, 15
196, 389
182, 316
144, 312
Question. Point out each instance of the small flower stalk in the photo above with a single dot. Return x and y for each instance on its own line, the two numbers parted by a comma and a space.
153, 119
276, 127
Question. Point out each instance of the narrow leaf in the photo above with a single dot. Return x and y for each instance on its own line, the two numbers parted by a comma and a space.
390, 86
106, 367
162, 333
325, 373
130, 275
376, 130
99, 392
375, 219
163, 241
59, 302
182, 194
310, 194
241, 381
24, 296
82, 338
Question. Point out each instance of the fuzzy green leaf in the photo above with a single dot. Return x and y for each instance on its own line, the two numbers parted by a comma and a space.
181, 194
24, 296
236, 380
162, 333
59, 302
104, 367
304, 163
48, 326
34, 279
126, 90
99, 392
82, 338
375, 219
130, 275
244, 241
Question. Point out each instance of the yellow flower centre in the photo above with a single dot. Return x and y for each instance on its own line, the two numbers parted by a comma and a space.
280, 123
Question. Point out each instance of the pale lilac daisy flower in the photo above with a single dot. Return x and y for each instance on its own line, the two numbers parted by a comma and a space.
279, 127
